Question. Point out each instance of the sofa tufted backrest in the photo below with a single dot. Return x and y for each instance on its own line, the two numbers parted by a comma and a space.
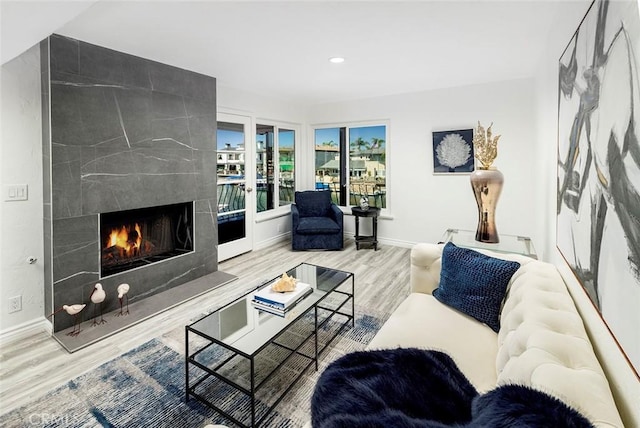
542, 340
543, 343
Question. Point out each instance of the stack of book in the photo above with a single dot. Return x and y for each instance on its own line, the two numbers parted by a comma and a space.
279, 303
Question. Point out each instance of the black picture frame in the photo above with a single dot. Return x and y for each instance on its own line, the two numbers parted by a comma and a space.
453, 152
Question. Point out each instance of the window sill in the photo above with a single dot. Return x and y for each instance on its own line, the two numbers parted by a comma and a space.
273, 214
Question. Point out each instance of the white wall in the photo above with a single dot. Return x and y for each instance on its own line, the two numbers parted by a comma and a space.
623, 381
21, 163
424, 205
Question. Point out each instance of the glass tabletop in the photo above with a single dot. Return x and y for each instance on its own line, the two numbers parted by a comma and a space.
508, 243
246, 329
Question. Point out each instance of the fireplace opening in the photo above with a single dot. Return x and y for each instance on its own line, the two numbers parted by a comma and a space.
134, 238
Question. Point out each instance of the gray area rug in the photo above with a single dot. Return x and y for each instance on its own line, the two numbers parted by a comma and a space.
145, 387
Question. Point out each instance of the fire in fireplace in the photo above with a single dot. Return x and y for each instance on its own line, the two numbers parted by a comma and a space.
135, 238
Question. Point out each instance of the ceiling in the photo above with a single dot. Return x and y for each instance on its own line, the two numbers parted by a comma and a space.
281, 49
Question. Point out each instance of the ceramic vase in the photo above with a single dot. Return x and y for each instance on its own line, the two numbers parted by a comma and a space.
487, 185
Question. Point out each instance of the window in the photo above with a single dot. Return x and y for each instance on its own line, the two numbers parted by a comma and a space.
351, 162
275, 166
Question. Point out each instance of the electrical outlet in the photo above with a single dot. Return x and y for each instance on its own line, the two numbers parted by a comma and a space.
15, 304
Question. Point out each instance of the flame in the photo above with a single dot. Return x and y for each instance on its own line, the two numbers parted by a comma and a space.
121, 238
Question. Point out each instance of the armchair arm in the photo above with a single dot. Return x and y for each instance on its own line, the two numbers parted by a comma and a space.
295, 217
337, 215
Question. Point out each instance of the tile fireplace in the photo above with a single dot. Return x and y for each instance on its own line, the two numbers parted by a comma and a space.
129, 160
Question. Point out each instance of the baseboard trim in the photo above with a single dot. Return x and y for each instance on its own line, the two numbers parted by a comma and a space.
386, 241
396, 242
272, 241
24, 330
348, 235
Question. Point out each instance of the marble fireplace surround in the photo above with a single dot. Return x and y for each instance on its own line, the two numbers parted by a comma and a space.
122, 132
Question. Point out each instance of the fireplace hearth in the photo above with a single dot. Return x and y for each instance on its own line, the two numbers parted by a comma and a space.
134, 238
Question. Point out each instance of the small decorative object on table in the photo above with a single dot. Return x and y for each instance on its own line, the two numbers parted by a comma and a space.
486, 182
285, 283
364, 203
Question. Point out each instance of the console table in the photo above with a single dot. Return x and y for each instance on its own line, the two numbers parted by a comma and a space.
373, 213
508, 243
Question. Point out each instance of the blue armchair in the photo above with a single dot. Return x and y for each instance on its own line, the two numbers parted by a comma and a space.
316, 222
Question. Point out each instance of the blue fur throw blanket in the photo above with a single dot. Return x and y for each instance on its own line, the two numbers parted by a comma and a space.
414, 388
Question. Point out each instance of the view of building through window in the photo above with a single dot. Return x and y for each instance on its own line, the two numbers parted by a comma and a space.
359, 165
231, 181
286, 165
275, 163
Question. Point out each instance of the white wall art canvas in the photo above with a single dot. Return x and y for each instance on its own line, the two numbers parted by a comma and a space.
453, 151
598, 206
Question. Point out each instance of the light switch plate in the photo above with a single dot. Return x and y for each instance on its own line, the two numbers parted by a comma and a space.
16, 192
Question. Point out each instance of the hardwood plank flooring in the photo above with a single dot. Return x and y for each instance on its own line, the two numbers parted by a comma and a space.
32, 366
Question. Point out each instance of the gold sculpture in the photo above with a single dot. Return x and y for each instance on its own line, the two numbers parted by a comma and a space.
485, 147
286, 283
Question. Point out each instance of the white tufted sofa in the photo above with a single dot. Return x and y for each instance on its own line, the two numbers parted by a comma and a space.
542, 341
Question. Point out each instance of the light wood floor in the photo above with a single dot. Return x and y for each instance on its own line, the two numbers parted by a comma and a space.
31, 367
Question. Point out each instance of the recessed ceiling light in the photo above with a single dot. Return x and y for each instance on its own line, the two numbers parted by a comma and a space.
336, 59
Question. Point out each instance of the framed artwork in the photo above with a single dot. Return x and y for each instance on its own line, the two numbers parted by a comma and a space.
598, 198
453, 152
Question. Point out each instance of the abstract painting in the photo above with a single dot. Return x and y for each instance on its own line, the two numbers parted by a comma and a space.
598, 200
453, 151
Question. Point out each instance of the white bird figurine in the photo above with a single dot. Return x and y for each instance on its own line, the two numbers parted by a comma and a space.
73, 310
97, 297
123, 289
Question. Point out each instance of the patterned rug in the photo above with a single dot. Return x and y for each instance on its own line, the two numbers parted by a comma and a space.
146, 388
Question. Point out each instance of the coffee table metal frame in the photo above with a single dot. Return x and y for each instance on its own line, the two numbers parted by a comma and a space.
190, 359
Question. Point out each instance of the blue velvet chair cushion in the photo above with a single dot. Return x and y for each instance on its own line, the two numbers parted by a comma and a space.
474, 283
312, 203
316, 225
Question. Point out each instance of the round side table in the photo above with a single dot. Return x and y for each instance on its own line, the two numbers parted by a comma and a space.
373, 213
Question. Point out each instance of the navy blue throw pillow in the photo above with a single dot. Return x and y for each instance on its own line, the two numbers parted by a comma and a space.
474, 283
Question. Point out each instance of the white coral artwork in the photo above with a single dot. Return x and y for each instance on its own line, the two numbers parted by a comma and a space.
453, 151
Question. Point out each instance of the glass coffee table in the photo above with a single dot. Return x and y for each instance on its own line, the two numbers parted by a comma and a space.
241, 361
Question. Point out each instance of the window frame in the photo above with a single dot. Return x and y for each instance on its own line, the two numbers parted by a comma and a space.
278, 209
345, 158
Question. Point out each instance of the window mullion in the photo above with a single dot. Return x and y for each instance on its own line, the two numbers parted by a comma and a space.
344, 167
276, 167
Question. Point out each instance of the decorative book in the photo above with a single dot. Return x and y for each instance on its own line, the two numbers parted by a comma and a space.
282, 300
289, 313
